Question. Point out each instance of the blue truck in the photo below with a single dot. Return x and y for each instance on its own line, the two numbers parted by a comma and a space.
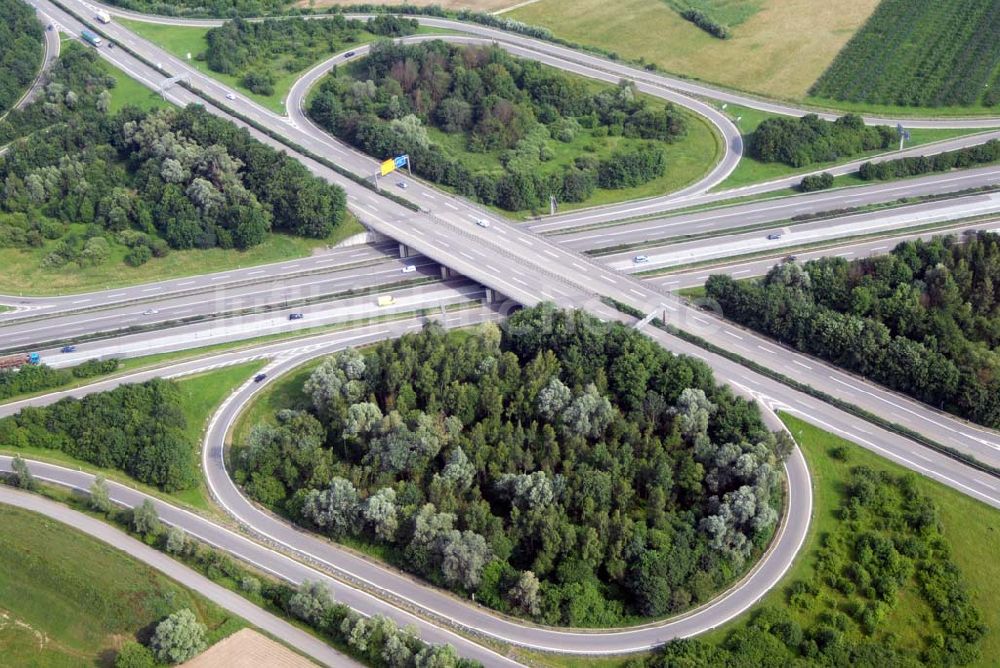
91, 38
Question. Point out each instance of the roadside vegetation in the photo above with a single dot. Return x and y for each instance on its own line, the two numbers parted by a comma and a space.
217, 8
375, 641
816, 144
31, 378
263, 59
100, 194
973, 156
562, 470
921, 320
260, 52
21, 51
70, 600
505, 131
151, 432
920, 53
895, 572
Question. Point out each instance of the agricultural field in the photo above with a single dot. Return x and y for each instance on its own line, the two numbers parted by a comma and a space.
779, 51
729, 13
920, 53
67, 599
474, 5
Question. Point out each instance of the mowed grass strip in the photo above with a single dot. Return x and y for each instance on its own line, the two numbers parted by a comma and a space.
70, 600
779, 51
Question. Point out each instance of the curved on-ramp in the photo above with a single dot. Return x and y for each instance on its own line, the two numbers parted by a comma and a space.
373, 588
441, 605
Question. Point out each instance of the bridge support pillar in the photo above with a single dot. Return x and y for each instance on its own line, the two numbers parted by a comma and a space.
404, 251
490, 296
447, 273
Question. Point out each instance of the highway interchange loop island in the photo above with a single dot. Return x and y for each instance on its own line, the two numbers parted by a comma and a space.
526, 264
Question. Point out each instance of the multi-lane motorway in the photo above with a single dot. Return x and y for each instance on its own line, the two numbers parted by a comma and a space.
526, 267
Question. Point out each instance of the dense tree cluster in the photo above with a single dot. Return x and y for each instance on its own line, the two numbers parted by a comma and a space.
890, 550
803, 141
150, 181
924, 320
499, 105
138, 429
564, 469
258, 51
35, 378
20, 50
885, 170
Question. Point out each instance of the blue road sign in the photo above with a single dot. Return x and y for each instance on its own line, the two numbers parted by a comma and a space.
401, 161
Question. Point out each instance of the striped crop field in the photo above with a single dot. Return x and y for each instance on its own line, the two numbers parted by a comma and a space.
920, 53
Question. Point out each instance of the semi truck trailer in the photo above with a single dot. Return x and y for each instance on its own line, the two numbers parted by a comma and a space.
19, 360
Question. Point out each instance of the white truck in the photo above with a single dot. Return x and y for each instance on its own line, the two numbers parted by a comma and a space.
103, 16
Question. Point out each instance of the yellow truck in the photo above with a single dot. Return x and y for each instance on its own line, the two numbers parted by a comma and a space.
386, 300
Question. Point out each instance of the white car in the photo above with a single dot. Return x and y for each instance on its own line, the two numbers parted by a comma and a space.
230, 96
150, 311
482, 222
409, 269
640, 259
402, 185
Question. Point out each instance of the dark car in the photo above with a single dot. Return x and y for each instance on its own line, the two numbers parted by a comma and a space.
111, 45
349, 54
774, 235
68, 349
259, 377
296, 316
49, 27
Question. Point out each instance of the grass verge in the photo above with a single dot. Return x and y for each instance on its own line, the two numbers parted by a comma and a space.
750, 171
23, 273
73, 600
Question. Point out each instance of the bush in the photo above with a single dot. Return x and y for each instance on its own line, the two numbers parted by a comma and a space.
703, 21
815, 182
178, 638
134, 655
885, 170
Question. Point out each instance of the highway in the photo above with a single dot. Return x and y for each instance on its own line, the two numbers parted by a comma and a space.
759, 266
776, 208
528, 268
360, 257
233, 329
229, 600
279, 297
679, 251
